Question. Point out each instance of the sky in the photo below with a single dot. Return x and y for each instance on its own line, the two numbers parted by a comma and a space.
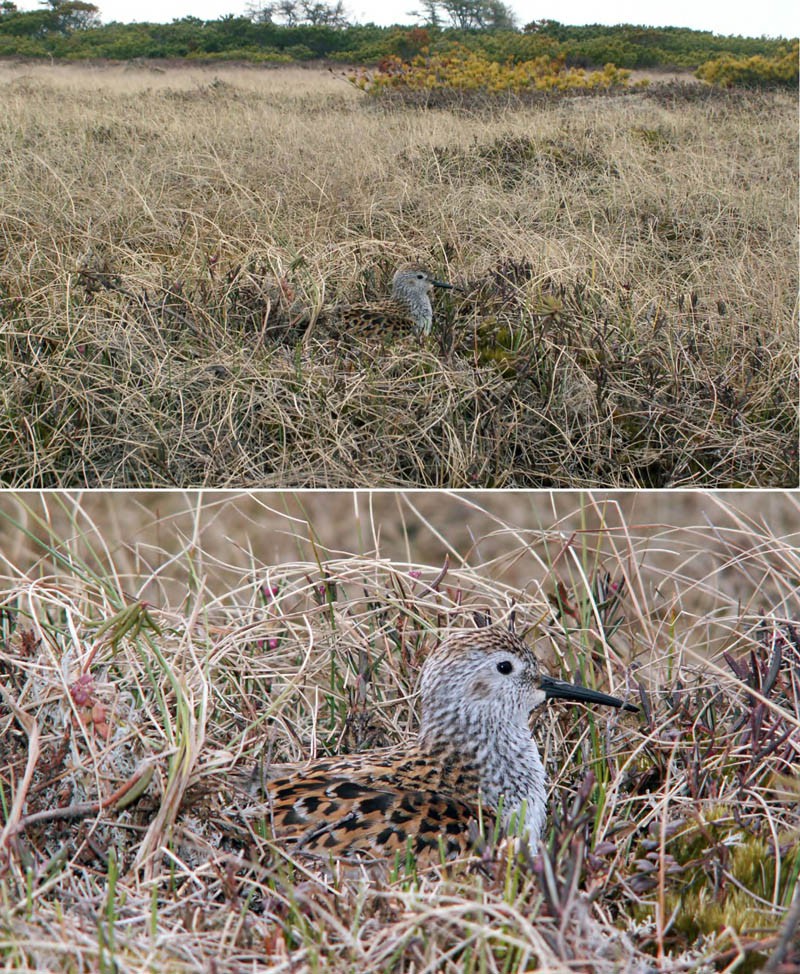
753, 19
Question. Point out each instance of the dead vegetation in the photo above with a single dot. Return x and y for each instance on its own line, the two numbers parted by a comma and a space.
672, 841
628, 265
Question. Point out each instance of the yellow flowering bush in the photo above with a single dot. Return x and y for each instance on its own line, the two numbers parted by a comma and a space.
470, 71
753, 72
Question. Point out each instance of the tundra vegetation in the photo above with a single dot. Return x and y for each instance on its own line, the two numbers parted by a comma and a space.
155, 649
283, 31
626, 257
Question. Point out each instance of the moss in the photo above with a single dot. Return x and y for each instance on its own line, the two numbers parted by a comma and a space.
719, 878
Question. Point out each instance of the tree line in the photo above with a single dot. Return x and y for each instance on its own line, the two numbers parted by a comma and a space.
297, 30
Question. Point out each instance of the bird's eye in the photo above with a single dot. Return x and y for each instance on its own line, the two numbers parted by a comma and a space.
420, 277
505, 667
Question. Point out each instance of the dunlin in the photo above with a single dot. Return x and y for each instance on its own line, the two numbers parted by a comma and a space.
407, 312
474, 751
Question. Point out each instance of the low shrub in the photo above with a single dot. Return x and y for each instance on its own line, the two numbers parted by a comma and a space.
469, 71
753, 72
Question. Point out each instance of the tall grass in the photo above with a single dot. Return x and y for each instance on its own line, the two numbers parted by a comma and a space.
172, 239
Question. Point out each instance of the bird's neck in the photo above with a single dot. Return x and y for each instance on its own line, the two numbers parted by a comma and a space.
418, 305
500, 757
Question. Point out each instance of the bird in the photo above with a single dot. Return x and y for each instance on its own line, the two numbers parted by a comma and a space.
473, 756
407, 312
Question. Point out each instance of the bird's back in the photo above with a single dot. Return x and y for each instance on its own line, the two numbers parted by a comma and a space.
375, 804
381, 323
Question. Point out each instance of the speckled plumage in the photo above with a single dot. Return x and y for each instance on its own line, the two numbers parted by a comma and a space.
408, 312
474, 749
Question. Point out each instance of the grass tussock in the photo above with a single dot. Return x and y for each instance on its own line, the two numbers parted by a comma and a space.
169, 238
127, 721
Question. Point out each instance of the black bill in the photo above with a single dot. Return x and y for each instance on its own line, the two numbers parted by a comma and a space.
561, 690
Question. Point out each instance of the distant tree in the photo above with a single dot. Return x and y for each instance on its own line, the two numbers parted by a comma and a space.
58, 18
297, 13
259, 13
499, 16
324, 14
70, 15
469, 14
286, 12
429, 13
540, 26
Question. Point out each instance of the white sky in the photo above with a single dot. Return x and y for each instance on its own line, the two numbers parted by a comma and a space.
752, 19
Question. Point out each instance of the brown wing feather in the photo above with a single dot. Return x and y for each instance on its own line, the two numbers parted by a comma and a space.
384, 323
340, 810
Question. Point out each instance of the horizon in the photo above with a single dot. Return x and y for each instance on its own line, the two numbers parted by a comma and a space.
774, 18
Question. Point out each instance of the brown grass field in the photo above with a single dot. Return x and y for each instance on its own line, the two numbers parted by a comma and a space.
170, 236
155, 646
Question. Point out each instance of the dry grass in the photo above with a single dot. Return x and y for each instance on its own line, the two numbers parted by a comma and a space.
629, 266
673, 843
